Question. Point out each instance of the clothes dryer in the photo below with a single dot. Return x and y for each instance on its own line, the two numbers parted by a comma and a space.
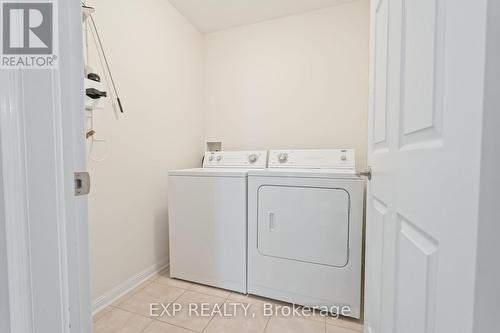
305, 223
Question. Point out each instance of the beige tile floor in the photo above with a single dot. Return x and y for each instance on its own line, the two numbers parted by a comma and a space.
130, 314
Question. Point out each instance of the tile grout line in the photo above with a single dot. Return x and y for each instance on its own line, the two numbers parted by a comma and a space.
212, 318
153, 319
251, 305
204, 328
123, 298
175, 325
199, 292
132, 292
93, 322
140, 314
267, 324
193, 291
128, 311
147, 326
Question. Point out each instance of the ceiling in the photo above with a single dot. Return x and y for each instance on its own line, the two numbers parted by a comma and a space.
214, 15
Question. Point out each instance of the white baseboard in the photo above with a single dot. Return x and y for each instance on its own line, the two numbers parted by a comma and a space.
123, 288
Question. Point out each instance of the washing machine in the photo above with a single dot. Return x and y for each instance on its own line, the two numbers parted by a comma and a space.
208, 219
305, 224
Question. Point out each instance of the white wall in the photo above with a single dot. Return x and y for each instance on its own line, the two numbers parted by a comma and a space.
155, 55
294, 82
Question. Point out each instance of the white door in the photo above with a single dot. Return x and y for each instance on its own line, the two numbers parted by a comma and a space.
424, 148
44, 268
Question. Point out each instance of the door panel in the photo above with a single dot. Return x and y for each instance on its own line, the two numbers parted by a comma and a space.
416, 268
418, 66
315, 217
380, 75
421, 73
423, 196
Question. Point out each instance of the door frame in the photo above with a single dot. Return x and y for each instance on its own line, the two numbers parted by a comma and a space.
487, 289
18, 309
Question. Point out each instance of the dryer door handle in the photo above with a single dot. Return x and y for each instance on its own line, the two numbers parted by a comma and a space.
271, 220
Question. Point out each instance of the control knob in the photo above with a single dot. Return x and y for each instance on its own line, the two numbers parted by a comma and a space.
283, 157
219, 157
253, 158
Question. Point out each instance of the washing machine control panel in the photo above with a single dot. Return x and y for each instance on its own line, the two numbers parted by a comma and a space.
314, 159
236, 159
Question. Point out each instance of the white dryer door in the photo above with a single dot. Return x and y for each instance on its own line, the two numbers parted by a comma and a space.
304, 224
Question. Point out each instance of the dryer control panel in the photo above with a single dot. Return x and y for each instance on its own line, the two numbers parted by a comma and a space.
236, 159
313, 159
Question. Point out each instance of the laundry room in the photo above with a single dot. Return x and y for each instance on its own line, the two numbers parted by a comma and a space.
249, 166
247, 78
